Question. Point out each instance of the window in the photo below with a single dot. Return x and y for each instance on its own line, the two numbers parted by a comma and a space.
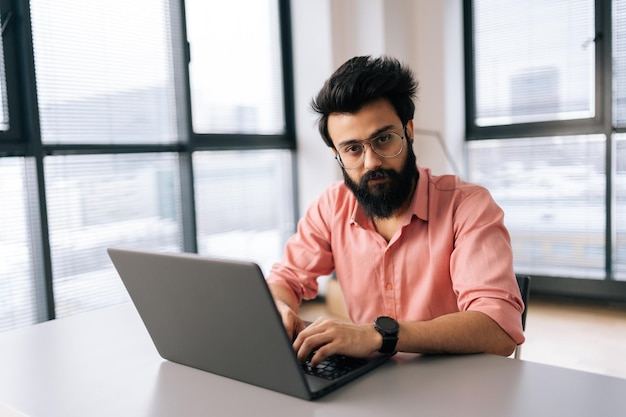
11, 110
243, 204
522, 74
4, 104
619, 121
552, 192
18, 289
545, 139
235, 84
620, 208
619, 63
128, 143
104, 77
98, 201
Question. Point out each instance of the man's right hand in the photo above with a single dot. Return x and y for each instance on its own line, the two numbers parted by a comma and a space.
288, 309
292, 322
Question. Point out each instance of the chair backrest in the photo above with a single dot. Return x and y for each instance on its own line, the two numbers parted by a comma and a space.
524, 288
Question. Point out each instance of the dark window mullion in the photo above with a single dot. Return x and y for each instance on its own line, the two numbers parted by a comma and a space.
180, 50
36, 191
604, 104
470, 77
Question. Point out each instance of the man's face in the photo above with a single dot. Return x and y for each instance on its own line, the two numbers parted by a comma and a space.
381, 185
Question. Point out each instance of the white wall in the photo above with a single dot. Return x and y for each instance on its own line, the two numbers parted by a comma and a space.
425, 34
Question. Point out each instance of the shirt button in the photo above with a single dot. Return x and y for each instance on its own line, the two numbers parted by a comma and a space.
388, 286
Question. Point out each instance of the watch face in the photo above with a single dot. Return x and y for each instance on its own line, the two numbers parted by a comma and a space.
387, 324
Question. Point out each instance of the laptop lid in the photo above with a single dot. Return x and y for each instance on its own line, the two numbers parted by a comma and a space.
218, 316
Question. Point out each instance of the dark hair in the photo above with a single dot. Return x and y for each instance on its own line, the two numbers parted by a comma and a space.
361, 80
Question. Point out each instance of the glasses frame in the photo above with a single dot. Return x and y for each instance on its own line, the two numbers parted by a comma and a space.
369, 142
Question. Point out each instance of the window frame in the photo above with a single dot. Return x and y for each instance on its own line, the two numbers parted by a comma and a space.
602, 84
234, 141
23, 138
601, 123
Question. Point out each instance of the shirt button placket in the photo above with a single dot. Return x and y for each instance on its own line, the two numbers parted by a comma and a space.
388, 284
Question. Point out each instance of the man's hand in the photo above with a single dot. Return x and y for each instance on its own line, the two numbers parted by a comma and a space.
292, 322
329, 337
287, 307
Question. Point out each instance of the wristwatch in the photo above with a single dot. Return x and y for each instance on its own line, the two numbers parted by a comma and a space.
388, 328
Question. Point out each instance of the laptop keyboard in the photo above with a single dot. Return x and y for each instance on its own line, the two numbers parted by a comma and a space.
333, 366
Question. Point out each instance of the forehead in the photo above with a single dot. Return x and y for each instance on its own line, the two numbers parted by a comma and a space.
363, 123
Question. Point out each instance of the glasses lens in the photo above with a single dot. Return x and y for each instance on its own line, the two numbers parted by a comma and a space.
387, 145
350, 156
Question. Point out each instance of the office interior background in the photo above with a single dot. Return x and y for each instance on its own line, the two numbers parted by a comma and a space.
185, 126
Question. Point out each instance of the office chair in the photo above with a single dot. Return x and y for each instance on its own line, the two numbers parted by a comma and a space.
524, 287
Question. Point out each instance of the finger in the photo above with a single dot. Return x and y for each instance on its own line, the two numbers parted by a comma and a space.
296, 327
307, 344
303, 334
321, 354
291, 321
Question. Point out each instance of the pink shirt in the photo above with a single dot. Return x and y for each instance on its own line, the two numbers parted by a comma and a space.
452, 253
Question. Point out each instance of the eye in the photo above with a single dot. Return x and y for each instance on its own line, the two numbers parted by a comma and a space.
354, 148
382, 140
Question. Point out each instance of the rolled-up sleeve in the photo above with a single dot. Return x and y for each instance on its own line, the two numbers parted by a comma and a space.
308, 253
481, 264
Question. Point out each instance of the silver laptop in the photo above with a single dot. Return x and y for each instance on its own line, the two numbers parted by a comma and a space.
219, 316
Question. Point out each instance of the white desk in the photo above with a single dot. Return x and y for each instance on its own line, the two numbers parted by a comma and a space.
103, 363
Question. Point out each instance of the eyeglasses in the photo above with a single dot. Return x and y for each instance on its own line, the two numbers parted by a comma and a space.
387, 145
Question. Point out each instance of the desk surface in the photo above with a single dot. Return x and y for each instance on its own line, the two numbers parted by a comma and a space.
103, 363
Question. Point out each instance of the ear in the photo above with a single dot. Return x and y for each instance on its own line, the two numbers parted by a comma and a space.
408, 131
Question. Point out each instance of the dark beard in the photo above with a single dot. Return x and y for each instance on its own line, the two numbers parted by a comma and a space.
383, 200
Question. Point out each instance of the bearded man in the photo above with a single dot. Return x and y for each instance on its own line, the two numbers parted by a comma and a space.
424, 262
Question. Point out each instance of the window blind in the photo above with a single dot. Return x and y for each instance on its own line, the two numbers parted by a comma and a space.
17, 283
620, 207
244, 204
104, 77
4, 105
552, 191
98, 201
619, 63
534, 60
104, 71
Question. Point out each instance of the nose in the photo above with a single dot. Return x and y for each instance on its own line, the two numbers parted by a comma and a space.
371, 159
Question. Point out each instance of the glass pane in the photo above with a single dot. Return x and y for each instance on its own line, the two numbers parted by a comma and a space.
104, 71
534, 60
97, 201
244, 204
17, 288
620, 208
4, 104
235, 69
619, 62
552, 191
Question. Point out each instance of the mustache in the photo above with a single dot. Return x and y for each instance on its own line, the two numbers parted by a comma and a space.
375, 175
